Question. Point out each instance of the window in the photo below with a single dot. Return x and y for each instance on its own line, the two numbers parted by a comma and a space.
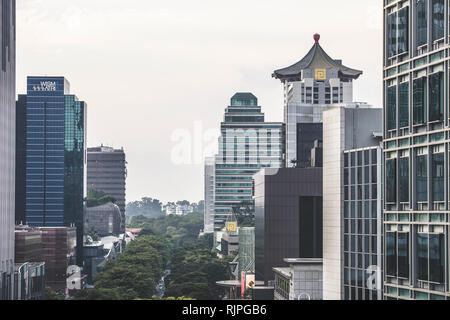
392, 28
403, 255
404, 179
437, 96
422, 178
403, 97
437, 258
422, 22
438, 176
391, 180
391, 108
438, 19
402, 43
391, 258
419, 100
422, 256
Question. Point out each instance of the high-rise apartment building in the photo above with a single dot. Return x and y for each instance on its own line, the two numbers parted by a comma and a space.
247, 144
55, 156
107, 172
310, 86
7, 144
416, 149
210, 169
352, 219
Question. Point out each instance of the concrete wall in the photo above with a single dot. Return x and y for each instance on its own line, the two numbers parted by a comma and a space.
344, 128
333, 146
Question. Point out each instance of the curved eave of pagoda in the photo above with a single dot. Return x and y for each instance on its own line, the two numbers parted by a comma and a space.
298, 77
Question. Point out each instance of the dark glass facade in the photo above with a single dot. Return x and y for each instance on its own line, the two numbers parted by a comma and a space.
362, 225
21, 146
289, 214
307, 133
55, 155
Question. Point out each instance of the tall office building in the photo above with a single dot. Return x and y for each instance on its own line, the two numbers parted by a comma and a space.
107, 172
7, 144
210, 168
310, 86
55, 156
247, 144
288, 210
352, 218
416, 149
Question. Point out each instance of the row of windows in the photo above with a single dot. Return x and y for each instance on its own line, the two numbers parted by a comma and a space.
233, 191
361, 209
353, 293
398, 23
358, 262
360, 158
234, 197
403, 180
427, 105
48, 201
361, 192
354, 243
361, 175
429, 253
360, 226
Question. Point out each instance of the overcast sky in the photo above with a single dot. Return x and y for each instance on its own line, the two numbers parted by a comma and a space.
157, 73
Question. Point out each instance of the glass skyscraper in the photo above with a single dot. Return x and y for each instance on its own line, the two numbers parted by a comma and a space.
247, 144
416, 149
55, 155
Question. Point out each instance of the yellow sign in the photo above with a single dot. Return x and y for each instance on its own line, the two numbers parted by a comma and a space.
321, 74
231, 226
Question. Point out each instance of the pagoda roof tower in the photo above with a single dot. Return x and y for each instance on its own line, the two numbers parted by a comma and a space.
316, 59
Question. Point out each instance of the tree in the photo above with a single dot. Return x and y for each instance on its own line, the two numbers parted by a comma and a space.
97, 198
195, 272
50, 294
147, 207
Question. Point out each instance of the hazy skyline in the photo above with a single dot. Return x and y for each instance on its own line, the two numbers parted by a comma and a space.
149, 69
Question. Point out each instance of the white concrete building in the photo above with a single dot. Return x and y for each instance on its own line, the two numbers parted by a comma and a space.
346, 128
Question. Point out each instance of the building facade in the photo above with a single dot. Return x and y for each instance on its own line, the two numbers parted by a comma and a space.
104, 220
352, 219
59, 246
310, 86
55, 155
210, 168
416, 149
288, 211
246, 250
247, 144
29, 281
21, 158
7, 144
107, 172
28, 246
302, 280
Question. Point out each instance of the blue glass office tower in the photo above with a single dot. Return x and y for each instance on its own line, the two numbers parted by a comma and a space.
55, 156
247, 144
